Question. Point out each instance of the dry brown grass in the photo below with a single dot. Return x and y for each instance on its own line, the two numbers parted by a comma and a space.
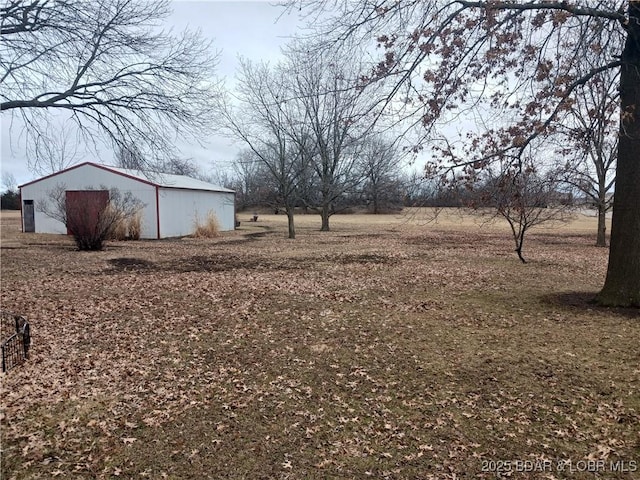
387, 348
128, 229
209, 228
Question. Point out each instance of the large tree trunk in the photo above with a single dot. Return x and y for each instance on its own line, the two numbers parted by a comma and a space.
622, 286
325, 218
292, 228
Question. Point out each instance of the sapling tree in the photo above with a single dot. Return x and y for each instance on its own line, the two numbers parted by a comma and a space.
524, 198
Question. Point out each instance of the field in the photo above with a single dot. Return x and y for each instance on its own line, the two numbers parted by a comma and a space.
391, 347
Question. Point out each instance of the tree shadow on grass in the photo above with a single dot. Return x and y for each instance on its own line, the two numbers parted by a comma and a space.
249, 237
129, 263
201, 263
585, 301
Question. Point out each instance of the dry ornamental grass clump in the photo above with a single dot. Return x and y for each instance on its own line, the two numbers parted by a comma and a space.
210, 228
128, 228
135, 226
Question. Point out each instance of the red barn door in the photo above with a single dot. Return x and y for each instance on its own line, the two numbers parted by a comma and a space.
84, 208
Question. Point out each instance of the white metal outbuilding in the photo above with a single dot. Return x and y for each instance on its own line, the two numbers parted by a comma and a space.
172, 203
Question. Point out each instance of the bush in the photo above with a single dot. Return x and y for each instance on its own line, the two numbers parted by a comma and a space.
209, 229
93, 216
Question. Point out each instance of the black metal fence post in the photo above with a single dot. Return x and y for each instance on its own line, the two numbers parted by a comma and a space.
15, 349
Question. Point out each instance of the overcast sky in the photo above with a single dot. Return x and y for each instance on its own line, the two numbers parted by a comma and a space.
251, 29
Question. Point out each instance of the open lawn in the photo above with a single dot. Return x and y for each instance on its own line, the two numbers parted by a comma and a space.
387, 348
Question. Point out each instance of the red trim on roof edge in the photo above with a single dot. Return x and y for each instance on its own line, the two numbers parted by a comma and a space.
102, 167
106, 167
126, 175
52, 175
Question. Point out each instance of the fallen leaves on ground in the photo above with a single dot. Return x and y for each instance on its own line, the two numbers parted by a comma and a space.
410, 353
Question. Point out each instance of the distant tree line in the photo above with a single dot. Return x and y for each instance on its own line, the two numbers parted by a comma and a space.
377, 191
10, 200
377, 188
10, 197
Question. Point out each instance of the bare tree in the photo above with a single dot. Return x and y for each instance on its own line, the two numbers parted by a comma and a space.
524, 198
91, 216
338, 113
305, 120
9, 182
417, 189
266, 121
107, 66
248, 180
588, 134
181, 166
132, 158
379, 162
525, 63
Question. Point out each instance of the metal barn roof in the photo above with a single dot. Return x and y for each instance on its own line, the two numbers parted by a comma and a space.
163, 180
167, 180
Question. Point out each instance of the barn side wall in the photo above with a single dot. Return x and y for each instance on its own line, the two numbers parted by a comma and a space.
180, 209
82, 178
